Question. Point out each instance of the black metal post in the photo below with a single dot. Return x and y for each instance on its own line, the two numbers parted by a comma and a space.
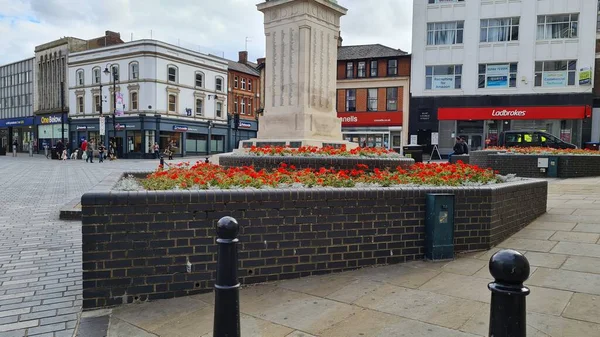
227, 287
62, 112
114, 120
507, 309
208, 147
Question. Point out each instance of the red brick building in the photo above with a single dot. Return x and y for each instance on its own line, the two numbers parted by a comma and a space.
244, 96
373, 95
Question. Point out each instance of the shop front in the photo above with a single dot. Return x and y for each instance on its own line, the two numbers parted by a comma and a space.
481, 119
20, 129
247, 129
373, 129
191, 138
49, 130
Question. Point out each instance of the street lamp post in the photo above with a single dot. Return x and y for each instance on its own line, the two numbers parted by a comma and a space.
115, 78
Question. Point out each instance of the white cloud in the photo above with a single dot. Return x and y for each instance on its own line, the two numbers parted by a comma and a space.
219, 26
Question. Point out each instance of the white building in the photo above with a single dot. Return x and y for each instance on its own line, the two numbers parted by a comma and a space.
482, 67
164, 94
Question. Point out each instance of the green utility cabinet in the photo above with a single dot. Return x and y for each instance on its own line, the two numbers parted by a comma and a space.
439, 226
553, 167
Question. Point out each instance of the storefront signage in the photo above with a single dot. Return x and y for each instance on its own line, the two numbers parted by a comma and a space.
424, 116
245, 125
497, 75
554, 79
123, 126
371, 119
16, 122
443, 82
585, 76
180, 128
508, 113
81, 127
102, 124
50, 119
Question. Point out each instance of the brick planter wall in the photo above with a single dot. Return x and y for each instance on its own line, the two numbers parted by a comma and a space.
569, 166
462, 157
340, 163
136, 244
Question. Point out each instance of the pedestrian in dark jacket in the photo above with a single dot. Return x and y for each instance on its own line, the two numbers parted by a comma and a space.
458, 149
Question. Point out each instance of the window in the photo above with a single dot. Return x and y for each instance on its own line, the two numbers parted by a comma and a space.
392, 99
172, 103
499, 30
392, 67
498, 75
243, 83
235, 82
97, 103
563, 26
172, 74
444, 1
235, 105
249, 108
219, 110
249, 85
80, 104
351, 100
199, 79
96, 75
134, 100
349, 70
80, 79
199, 104
219, 84
443, 77
555, 73
440, 33
371, 99
134, 71
373, 68
362, 69
243, 106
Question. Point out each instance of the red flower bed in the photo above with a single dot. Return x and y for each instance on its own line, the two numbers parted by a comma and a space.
204, 176
313, 151
546, 150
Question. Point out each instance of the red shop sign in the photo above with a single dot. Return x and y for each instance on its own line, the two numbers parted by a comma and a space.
529, 112
371, 118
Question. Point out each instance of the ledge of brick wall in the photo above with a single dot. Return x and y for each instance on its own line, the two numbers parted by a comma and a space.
569, 166
459, 157
136, 244
340, 163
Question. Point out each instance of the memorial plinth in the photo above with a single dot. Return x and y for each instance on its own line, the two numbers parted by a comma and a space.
300, 74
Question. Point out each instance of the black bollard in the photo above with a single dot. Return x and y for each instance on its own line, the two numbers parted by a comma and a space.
162, 161
507, 309
207, 161
227, 287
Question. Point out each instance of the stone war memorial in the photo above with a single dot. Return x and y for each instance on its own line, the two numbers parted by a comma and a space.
309, 204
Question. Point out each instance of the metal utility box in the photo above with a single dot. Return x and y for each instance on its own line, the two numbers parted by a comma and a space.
553, 167
439, 226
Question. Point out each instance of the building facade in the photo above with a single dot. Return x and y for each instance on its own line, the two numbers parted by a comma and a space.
162, 94
596, 110
244, 98
373, 83
51, 88
16, 105
483, 67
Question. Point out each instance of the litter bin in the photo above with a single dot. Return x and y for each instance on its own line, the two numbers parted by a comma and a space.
414, 151
439, 226
592, 146
54, 153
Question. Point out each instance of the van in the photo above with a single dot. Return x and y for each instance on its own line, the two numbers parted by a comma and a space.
532, 138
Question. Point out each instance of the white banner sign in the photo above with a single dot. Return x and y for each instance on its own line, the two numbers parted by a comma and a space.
102, 121
435, 138
120, 102
413, 140
443, 82
555, 79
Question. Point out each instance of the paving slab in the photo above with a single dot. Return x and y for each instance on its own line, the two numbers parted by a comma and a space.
582, 264
538, 234
575, 237
551, 225
566, 280
584, 307
575, 248
587, 227
528, 244
545, 259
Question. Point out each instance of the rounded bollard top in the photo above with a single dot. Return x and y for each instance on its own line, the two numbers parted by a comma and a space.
509, 266
227, 228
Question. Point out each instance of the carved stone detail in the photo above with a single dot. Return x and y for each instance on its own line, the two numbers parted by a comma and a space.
282, 86
291, 79
274, 72
321, 61
314, 68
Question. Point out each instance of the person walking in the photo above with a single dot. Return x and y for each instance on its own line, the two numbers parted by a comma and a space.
84, 146
458, 149
156, 149
101, 153
14, 147
90, 148
60, 147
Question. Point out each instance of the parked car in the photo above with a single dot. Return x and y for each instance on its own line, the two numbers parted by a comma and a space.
532, 138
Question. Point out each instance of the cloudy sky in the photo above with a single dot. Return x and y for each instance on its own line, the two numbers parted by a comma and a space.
219, 27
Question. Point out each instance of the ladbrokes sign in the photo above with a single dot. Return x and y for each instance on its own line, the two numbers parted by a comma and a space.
519, 112
509, 113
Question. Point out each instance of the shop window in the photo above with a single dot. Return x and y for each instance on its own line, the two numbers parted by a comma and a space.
150, 137
374, 69
392, 99
349, 70
134, 100
371, 99
555, 73
498, 75
443, 77
561, 26
444, 33
351, 100
392, 68
199, 104
499, 30
362, 69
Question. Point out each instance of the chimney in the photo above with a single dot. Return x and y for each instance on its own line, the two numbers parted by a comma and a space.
243, 57
260, 61
112, 34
